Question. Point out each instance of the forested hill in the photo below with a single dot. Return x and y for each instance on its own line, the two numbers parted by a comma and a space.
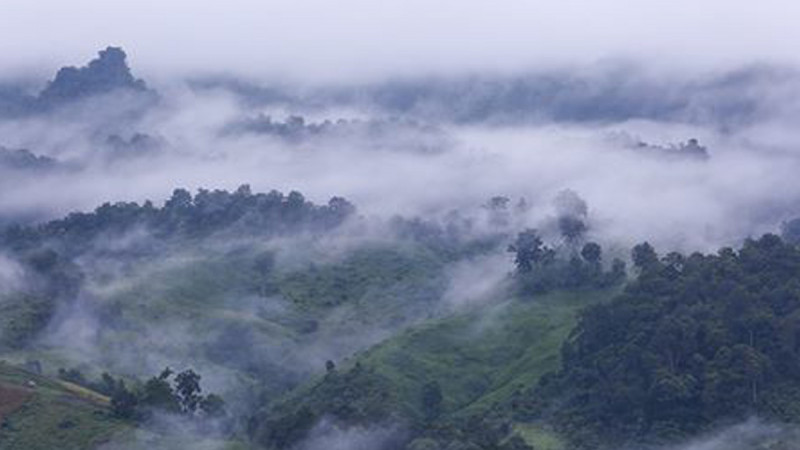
691, 344
696, 341
56, 258
569, 346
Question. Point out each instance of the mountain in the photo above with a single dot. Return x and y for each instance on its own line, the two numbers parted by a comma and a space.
107, 74
316, 328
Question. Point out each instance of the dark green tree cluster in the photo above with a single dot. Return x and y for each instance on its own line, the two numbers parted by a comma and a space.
181, 395
183, 216
358, 396
540, 268
695, 341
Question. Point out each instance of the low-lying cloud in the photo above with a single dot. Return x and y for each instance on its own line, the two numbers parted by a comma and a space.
753, 434
326, 435
11, 275
746, 187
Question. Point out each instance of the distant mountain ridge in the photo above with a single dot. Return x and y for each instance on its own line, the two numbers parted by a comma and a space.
24, 159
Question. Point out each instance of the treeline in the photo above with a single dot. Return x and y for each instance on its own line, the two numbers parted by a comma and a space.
297, 127
46, 252
540, 268
695, 341
185, 215
178, 395
377, 134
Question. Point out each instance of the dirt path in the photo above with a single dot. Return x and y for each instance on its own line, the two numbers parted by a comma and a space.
11, 398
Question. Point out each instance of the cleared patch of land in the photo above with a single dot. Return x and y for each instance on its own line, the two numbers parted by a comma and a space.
11, 399
42, 413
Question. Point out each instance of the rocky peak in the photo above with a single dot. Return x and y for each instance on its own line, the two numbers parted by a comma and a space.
108, 72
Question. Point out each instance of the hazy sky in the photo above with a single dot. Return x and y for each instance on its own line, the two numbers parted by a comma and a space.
341, 39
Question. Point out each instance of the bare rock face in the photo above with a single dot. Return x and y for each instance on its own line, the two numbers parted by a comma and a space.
108, 72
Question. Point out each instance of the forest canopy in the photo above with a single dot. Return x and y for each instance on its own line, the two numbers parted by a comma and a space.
693, 342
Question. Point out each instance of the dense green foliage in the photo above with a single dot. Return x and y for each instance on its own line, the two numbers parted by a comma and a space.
159, 394
541, 269
695, 341
184, 215
182, 396
358, 396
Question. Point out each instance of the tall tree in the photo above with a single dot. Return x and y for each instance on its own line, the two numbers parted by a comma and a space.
528, 250
187, 385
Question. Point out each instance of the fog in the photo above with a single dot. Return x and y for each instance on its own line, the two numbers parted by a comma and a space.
11, 275
420, 145
751, 434
327, 436
746, 187
314, 39
670, 122
393, 151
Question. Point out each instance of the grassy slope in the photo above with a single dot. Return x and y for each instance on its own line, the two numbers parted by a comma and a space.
213, 289
480, 358
57, 415
540, 437
380, 287
141, 439
383, 284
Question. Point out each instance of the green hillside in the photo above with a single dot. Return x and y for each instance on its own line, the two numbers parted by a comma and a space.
300, 337
52, 414
481, 359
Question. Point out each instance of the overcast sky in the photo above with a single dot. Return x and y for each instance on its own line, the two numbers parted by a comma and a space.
342, 39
